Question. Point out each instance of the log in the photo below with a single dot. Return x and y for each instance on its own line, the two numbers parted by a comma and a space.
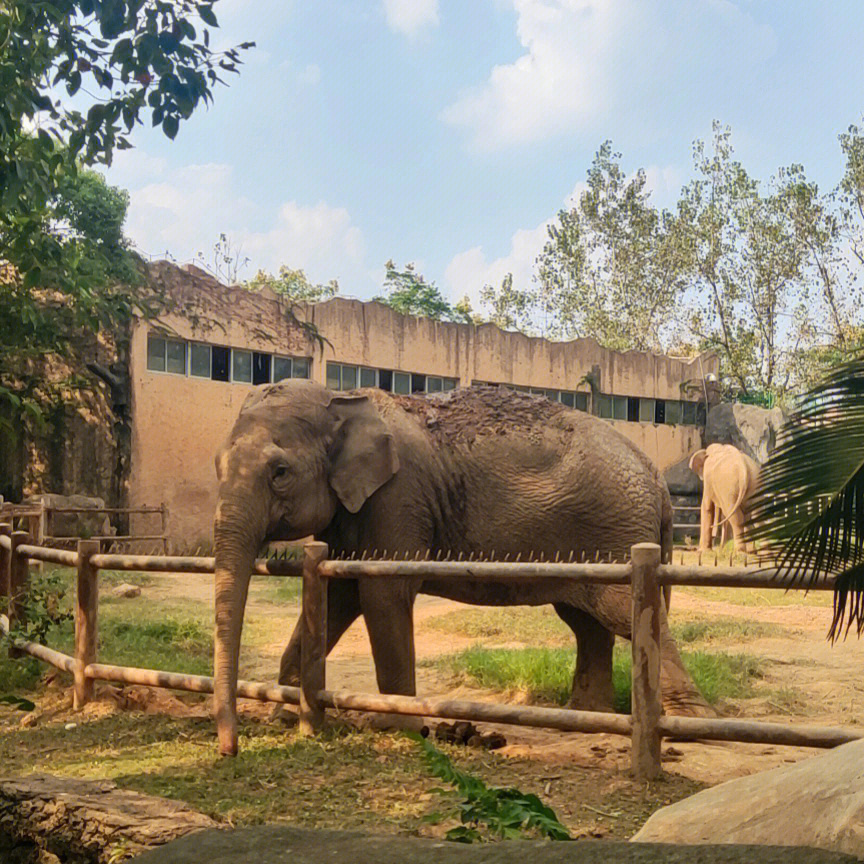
732, 577
645, 646
46, 818
40, 652
52, 556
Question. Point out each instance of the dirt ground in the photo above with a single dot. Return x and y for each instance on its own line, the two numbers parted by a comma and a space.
584, 777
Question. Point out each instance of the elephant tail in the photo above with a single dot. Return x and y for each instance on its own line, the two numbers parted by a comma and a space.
743, 482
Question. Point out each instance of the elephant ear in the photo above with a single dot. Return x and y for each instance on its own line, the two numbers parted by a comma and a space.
364, 456
697, 462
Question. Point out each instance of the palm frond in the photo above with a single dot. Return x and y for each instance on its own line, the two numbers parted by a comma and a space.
811, 497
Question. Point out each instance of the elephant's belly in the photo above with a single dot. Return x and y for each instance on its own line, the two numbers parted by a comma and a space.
528, 592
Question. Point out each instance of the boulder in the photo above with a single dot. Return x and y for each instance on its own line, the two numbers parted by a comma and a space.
681, 480
751, 429
818, 802
284, 844
126, 590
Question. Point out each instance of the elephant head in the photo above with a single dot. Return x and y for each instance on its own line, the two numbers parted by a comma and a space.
697, 462
296, 454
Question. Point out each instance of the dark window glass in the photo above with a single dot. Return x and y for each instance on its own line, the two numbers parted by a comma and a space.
242, 371
660, 411
385, 379
176, 357
673, 411
581, 401
619, 407
260, 368
401, 383
646, 410
301, 367
633, 409
700, 414
349, 377
281, 368
688, 413
367, 377
450, 383
418, 383
334, 376
567, 398
435, 384
199, 360
221, 359
155, 354
604, 406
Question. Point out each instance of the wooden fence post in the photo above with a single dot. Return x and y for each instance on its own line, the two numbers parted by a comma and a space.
86, 621
646, 704
313, 639
19, 577
5, 561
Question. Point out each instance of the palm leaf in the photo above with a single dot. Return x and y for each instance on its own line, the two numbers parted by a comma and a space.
811, 498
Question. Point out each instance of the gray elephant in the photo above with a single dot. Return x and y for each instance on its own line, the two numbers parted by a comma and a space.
729, 479
475, 470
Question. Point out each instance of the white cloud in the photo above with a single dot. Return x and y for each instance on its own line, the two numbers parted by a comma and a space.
310, 75
586, 60
183, 211
410, 16
469, 271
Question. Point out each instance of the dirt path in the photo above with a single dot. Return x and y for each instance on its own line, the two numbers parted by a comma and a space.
806, 679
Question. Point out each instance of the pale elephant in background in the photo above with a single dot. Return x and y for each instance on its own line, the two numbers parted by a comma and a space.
729, 479
72, 526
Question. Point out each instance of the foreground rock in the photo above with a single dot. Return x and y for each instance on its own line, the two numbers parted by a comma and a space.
818, 802
751, 429
46, 820
281, 845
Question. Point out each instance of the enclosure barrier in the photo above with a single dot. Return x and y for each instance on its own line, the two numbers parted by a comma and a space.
646, 725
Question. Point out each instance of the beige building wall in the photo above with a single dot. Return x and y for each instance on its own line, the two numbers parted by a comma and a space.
180, 421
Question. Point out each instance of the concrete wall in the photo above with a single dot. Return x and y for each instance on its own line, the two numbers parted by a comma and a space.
179, 422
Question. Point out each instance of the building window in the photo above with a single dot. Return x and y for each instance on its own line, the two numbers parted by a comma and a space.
385, 379
166, 355
368, 377
261, 368
401, 383
688, 413
282, 368
241, 366
646, 410
199, 360
221, 363
300, 367
673, 412
660, 411
349, 377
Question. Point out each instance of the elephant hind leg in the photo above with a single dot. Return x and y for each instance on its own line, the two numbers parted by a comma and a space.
343, 609
592, 681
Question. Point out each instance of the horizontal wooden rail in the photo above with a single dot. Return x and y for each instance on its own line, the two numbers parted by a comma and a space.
62, 539
757, 732
40, 652
50, 556
731, 577
154, 563
135, 510
479, 571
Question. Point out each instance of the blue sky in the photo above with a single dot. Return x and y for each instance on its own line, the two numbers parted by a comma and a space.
448, 132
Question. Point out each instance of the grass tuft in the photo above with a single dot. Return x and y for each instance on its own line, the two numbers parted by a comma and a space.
546, 674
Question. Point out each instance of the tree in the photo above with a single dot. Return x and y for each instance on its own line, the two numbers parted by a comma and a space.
410, 294
294, 285
748, 257
612, 268
811, 500
60, 228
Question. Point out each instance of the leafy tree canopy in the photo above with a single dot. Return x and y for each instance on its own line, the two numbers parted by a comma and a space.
294, 285
410, 294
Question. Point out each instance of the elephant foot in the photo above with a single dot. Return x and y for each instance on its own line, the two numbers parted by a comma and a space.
592, 700
690, 708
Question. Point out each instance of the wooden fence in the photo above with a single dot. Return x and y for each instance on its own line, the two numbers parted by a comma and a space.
646, 725
38, 520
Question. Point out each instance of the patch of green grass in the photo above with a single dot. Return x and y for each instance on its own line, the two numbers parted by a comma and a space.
546, 674
715, 629
757, 596
278, 590
529, 624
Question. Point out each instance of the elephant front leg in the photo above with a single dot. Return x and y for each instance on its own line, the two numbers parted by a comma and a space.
343, 609
592, 681
706, 524
679, 694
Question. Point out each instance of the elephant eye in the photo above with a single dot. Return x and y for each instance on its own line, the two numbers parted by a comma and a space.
280, 472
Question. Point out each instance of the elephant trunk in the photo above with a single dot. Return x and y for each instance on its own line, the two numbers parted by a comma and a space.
237, 542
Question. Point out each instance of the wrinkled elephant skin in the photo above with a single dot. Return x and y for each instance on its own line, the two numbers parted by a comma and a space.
481, 470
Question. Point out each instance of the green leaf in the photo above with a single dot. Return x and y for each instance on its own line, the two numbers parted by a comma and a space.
170, 125
19, 702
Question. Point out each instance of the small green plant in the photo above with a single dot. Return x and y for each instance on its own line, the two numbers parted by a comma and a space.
44, 607
488, 812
